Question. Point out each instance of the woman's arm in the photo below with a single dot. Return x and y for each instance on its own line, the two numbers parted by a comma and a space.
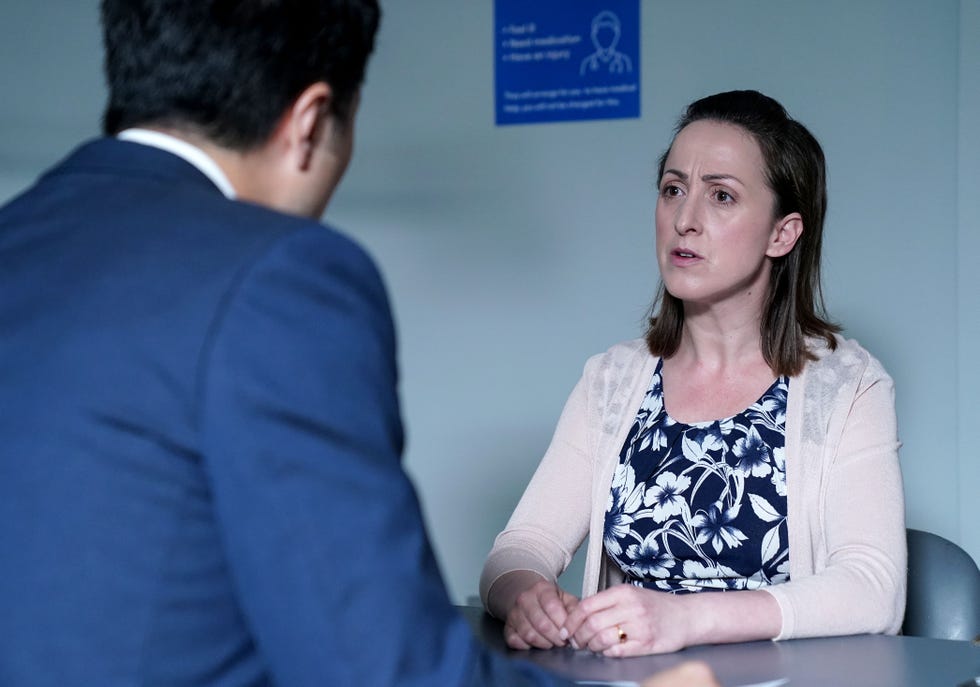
552, 518
626, 620
519, 580
858, 586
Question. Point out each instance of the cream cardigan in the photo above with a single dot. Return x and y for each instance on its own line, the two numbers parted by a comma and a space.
846, 513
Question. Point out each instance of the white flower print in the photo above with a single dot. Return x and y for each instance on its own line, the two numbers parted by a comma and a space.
653, 402
771, 409
648, 560
675, 519
753, 454
779, 470
624, 500
725, 427
704, 570
653, 439
666, 495
706, 574
763, 509
697, 444
715, 527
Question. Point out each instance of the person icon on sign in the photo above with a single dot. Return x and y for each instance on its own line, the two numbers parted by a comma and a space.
605, 35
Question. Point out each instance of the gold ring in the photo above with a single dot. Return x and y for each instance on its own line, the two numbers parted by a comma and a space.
621, 633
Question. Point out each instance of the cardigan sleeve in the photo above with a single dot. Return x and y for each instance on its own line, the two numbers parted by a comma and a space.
552, 518
858, 544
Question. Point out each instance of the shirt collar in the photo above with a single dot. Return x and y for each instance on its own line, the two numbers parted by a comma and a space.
182, 149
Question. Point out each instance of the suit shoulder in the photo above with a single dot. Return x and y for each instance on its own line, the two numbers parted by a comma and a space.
326, 249
246, 235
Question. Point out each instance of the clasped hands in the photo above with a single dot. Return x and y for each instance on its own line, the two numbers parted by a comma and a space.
623, 620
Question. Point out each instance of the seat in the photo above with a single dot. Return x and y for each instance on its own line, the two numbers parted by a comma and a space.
943, 589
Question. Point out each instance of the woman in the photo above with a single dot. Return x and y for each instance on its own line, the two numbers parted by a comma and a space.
742, 446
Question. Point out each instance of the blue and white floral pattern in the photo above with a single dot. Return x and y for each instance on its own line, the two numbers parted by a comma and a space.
701, 506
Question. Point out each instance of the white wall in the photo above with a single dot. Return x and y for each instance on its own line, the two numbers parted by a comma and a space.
51, 76
968, 278
515, 253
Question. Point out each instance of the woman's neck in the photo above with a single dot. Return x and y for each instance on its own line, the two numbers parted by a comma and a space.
720, 341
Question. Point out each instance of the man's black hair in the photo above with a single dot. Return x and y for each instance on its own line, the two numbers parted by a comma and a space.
229, 69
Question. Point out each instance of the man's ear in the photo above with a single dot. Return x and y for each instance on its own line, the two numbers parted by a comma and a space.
785, 233
306, 123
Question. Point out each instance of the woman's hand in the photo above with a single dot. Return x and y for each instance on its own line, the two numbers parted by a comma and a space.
631, 621
537, 617
626, 620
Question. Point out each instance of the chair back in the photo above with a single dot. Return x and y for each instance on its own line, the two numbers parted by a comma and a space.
943, 589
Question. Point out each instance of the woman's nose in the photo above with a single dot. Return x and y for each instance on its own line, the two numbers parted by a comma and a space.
687, 220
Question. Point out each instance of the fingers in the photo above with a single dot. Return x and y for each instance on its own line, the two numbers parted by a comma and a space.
592, 624
585, 609
626, 621
570, 601
554, 607
689, 674
603, 631
537, 617
524, 637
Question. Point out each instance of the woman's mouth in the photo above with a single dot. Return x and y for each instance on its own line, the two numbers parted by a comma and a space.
683, 256
684, 253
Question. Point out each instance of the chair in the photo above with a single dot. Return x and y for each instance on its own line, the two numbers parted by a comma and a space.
943, 589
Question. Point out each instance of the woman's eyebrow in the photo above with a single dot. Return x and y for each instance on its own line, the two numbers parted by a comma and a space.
707, 177
721, 177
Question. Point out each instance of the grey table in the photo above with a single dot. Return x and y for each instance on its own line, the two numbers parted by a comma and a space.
854, 661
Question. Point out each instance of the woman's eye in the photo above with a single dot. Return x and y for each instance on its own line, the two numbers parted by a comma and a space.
670, 191
723, 196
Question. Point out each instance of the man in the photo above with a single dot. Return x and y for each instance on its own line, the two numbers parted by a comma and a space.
199, 473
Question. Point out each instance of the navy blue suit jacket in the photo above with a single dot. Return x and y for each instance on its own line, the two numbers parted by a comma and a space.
200, 442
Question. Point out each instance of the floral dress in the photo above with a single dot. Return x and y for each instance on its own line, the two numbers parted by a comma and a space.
701, 506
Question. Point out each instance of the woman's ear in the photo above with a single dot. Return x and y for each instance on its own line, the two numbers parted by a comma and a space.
785, 233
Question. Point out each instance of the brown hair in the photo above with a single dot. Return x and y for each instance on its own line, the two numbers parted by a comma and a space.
796, 173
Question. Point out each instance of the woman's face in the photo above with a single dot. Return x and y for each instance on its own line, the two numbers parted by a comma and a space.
716, 231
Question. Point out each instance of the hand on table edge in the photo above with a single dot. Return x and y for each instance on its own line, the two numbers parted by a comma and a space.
534, 609
626, 620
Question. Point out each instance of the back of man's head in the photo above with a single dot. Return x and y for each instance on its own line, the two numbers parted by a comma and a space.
228, 69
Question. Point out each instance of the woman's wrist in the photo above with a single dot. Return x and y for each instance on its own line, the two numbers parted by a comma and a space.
733, 616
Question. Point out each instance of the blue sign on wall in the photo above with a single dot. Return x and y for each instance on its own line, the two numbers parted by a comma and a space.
556, 60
